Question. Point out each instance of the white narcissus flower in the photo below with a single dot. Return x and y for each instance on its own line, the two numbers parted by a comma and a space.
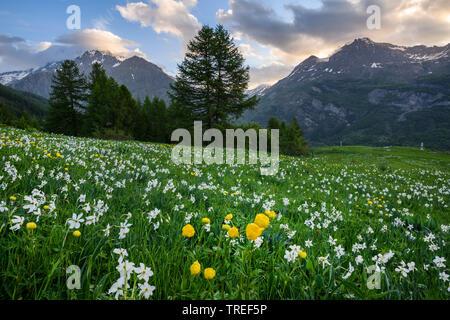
146, 290
359, 259
439, 262
18, 222
143, 272
122, 253
324, 261
75, 221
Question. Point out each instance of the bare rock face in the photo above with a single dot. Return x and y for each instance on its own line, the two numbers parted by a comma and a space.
366, 93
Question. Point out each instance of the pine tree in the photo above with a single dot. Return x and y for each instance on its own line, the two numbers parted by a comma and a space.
212, 80
128, 112
291, 139
99, 99
155, 119
66, 100
6, 116
273, 123
159, 119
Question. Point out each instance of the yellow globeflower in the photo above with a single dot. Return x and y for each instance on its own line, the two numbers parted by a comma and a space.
302, 254
226, 227
195, 268
209, 273
271, 214
76, 233
31, 226
206, 220
46, 207
253, 231
229, 217
262, 220
233, 232
12, 198
188, 231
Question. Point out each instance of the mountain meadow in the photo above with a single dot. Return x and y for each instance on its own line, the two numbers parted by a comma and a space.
138, 226
92, 205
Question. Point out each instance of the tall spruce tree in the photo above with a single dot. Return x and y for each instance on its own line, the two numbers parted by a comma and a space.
66, 100
212, 79
100, 96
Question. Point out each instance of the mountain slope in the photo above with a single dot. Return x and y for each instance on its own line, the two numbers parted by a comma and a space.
366, 93
140, 76
20, 101
258, 91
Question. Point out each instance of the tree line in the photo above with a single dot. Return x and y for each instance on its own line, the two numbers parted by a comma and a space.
210, 86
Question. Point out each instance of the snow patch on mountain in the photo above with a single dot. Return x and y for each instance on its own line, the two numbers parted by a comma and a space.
8, 77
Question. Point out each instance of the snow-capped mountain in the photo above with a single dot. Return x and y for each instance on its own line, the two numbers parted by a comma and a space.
365, 59
366, 93
8, 77
258, 91
140, 76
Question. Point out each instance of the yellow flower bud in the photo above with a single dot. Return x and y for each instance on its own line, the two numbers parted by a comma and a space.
233, 232
302, 254
206, 220
31, 226
195, 268
253, 231
209, 273
188, 231
262, 220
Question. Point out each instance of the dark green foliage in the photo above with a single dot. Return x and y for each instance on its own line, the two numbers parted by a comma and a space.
112, 111
291, 137
21, 109
6, 115
154, 116
26, 122
212, 79
66, 100
100, 97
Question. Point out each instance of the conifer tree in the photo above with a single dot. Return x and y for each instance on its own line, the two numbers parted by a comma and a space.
212, 79
68, 93
99, 99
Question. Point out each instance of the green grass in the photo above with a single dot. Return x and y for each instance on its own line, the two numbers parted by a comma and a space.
393, 157
384, 200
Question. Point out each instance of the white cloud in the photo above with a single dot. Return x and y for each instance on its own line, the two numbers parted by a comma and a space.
268, 74
100, 40
164, 16
247, 51
44, 45
18, 54
321, 30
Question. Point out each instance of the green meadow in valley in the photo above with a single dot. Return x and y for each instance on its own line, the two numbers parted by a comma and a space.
345, 223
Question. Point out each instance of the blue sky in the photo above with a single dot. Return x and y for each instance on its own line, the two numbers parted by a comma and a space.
273, 35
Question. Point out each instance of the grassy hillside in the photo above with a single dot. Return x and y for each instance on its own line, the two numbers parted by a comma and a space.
20, 101
142, 227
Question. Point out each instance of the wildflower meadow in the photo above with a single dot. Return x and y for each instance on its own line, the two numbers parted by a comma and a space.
96, 219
